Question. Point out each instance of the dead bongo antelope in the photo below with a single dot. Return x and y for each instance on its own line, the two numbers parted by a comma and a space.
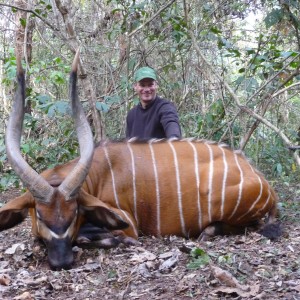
179, 187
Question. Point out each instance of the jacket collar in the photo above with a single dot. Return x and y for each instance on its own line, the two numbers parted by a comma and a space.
149, 105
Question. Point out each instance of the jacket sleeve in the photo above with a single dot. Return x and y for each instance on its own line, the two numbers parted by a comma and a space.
128, 126
169, 120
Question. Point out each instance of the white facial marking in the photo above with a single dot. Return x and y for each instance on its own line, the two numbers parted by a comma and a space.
42, 227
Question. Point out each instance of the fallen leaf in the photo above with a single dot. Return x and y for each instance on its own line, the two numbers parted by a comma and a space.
169, 263
35, 282
3, 265
296, 288
165, 255
229, 280
15, 249
4, 279
145, 256
253, 291
143, 270
24, 296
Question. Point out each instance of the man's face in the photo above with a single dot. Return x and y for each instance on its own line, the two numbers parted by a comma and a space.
146, 90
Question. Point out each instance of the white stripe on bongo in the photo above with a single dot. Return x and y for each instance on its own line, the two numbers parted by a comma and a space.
115, 191
255, 202
127, 216
133, 183
196, 163
156, 187
179, 195
112, 178
240, 186
225, 173
210, 180
266, 203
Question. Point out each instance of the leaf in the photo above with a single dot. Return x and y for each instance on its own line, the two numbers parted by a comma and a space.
239, 80
24, 296
61, 106
200, 258
25, 148
226, 278
274, 17
143, 271
42, 99
57, 60
196, 252
112, 99
254, 290
23, 22
4, 279
142, 257
251, 84
15, 249
169, 263
101, 106
279, 168
215, 30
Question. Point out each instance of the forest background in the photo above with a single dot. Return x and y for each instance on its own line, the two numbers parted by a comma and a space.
232, 68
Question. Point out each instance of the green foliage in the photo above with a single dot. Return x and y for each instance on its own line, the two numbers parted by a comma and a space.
10, 68
23, 22
225, 259
48, 137
105, 105
254, 62
210, 124
8, 178
272, 155
43, 7
274, 17
199, 258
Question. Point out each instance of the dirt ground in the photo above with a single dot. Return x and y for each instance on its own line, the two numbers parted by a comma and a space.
247, 266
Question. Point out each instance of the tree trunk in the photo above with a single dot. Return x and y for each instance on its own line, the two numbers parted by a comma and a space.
24, 36
73, 43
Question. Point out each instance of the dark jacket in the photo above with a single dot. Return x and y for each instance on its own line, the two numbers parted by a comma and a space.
158, 120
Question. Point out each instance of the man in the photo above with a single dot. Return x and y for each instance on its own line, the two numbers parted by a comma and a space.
153, 117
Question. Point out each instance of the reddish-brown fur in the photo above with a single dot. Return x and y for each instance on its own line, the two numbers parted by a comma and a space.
99, 184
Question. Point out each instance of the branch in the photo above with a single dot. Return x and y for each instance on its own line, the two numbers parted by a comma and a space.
265, 105
236, 99
285, 89
151, 19
273, 77
32, 12
73, 44
294, 147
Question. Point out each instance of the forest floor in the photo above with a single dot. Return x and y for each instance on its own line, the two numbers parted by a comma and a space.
247, 266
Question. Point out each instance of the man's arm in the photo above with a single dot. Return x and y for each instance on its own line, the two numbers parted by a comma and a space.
170, 121
128, 126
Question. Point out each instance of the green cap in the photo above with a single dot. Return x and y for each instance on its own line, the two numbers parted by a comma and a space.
144, 72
